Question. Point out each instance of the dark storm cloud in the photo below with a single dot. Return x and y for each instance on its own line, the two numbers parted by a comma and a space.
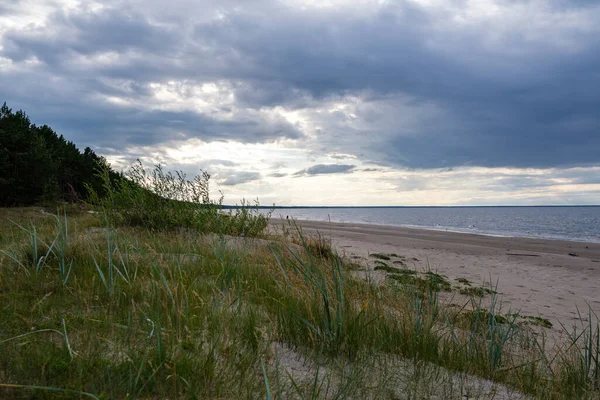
332, 52
89, 33
69, 97
67, 108
240, 177
321, 169
116, 127
534, 110
516, 102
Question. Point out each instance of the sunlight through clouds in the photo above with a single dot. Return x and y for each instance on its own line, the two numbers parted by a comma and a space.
405, 102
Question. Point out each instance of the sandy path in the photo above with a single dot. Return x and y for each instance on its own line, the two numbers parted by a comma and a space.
535, 277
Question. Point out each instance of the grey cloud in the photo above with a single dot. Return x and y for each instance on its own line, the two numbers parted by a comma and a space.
225, 163
320, 169
533, 108
87, 33
70, 98
516, 102
276, 165
573, 4
370, 169
240, 177
277, 175
341, 156
496, 181
588, 180
90, 121
519, 182
579, 175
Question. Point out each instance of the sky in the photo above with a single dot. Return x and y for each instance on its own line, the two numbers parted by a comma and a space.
329, 102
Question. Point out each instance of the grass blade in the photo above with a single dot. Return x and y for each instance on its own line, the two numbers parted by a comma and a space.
48, 389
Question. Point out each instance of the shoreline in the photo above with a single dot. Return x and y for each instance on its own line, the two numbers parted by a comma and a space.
417, 231
593, 240
549, 278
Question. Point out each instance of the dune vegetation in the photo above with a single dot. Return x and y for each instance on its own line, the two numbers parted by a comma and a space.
154, 291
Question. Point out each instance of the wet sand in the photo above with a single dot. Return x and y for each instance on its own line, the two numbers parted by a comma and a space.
546, 278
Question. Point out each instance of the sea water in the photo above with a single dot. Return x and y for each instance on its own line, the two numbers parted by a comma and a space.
566, 223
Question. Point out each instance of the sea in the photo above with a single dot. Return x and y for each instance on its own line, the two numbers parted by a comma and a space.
573, 223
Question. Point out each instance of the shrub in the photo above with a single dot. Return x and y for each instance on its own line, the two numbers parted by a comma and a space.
164, 200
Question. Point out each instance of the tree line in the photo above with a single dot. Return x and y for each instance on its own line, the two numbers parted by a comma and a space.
39, 166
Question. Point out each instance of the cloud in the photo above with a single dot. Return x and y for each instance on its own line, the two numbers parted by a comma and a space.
90, 33
320, 169
225, 163
371, 169
277, 175
402, 85
240, 177
504, 102
342, 156
104, 74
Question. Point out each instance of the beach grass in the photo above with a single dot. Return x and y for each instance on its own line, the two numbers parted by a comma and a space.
100, 307
380, 256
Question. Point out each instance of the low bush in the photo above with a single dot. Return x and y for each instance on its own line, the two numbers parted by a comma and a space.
163, 200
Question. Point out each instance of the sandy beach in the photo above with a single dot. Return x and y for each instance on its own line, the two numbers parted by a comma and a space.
547, 278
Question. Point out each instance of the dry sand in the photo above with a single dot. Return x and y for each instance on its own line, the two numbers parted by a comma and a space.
533, 276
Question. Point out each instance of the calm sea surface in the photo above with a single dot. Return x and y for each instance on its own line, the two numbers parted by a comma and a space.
568, 223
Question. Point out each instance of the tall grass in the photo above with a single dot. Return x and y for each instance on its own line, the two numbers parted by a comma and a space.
157, 199
117, 263
578, 364
149, 313
39, 254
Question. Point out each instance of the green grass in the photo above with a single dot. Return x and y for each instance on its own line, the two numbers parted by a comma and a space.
125, 311
476, 291
317, 245
539, 321
380, 256
423, 283
381, 266
464, 281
